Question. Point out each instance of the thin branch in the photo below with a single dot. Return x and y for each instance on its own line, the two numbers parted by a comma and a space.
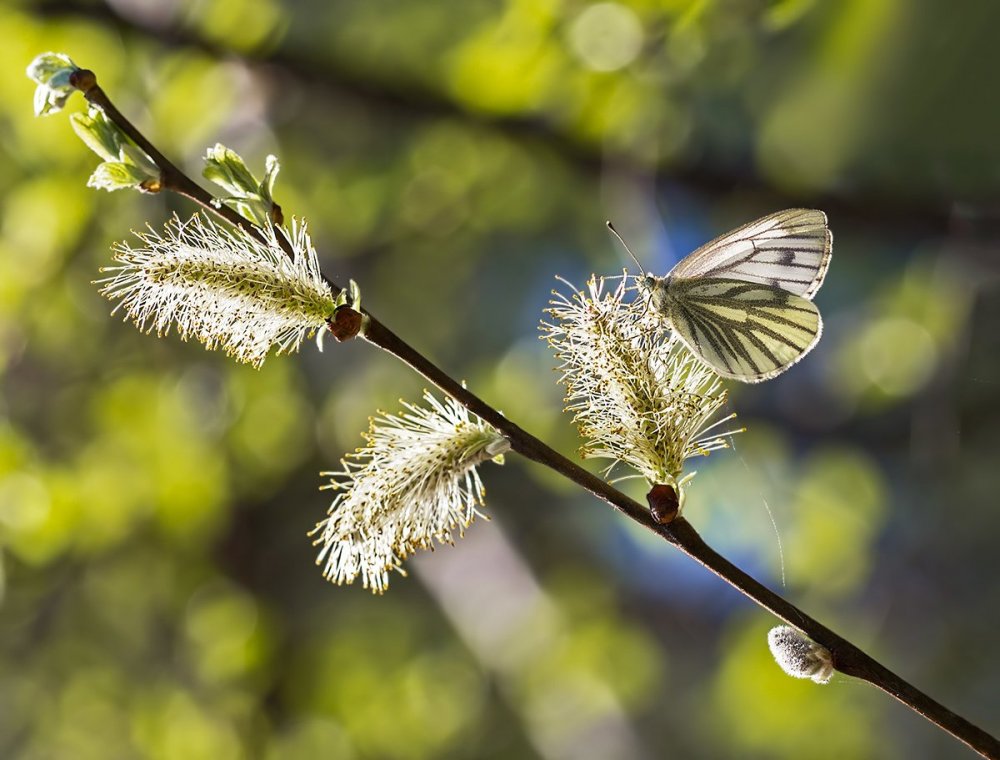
171, 178
847, 658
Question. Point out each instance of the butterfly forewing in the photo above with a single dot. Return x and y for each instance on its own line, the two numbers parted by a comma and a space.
747, 331
789, 250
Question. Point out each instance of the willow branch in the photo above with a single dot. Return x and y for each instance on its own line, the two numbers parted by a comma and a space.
171, 178
847, 658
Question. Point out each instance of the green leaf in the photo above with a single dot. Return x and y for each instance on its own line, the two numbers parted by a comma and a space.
52, 72
135, 156
271, 169
44, 67
99, 134
114, 175
251, 199
227, 169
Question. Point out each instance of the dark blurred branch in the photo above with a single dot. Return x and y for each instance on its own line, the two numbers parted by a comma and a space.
847, 658
411, 100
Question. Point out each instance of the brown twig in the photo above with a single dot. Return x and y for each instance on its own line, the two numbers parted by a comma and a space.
847, 658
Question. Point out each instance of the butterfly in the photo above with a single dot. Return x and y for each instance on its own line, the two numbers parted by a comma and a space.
743, 302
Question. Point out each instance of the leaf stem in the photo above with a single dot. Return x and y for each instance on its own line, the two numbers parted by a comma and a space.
847, 658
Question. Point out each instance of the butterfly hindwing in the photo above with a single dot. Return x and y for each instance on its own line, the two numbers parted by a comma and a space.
746, 331
789, 250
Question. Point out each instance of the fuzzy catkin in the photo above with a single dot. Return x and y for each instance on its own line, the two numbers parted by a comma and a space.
223, 287
637, 397
414, 483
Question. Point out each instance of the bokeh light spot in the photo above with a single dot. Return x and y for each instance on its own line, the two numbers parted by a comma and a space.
897, 355
606, 36
24, 501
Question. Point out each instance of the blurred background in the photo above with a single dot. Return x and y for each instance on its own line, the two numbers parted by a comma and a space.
158, 593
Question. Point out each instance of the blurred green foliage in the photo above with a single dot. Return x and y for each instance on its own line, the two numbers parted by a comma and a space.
158, 592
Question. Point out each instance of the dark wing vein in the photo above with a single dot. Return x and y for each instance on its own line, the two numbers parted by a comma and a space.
789, 250
746, 331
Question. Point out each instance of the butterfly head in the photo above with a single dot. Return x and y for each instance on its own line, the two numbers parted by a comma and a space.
656, 291
653, 289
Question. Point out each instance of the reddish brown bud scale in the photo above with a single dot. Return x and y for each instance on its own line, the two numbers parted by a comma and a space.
277, 216
345, 323
83, 79
664, 503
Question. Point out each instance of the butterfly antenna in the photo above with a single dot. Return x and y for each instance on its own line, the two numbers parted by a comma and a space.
621, 240
625, 246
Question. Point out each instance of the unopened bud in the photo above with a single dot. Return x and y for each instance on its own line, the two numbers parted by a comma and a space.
664, 503
345, 323
83, 80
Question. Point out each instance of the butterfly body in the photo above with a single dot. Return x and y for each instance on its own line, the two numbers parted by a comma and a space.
657, 290
743, 302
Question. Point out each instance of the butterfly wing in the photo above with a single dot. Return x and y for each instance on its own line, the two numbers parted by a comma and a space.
744, 330
789, 250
